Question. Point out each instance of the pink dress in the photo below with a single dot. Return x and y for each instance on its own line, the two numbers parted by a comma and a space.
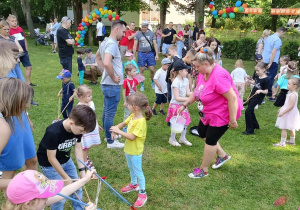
290, 120
215, 105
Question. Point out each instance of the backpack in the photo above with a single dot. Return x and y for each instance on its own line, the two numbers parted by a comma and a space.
103, 30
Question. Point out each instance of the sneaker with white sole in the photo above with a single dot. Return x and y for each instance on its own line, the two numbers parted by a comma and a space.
130, 188
142, 88
185, 141
280, 144
115, 144
220, 161
256, 107
291, 143
140, 202
198, 173
173, 142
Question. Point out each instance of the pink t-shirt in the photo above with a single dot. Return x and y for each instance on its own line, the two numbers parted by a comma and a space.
215, 105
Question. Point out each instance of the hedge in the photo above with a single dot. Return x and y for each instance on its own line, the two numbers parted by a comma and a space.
291, 49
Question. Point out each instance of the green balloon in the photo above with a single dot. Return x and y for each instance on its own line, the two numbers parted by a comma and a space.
85, 27
121, 18
106, 15
114, 15
241, 9
216, 16
101, 15
95, 10
79, 32
224, 15
90, 17
232, 15
81, 39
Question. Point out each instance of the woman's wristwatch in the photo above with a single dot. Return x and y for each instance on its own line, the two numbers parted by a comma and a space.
184, 106
81, 169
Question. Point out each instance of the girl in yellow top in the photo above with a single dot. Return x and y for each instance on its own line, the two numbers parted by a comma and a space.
134, 145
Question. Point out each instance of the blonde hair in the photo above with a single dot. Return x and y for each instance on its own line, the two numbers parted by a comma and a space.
296, 81
140, 100
3, 23
205, 56
82, 90
239, 63
266, 33
285, 58
173, 47
11, 17
11, 206
14, 96
291, 69
261, 65
129, 68
8, 54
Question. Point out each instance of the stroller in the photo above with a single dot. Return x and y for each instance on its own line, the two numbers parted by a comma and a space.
41, 38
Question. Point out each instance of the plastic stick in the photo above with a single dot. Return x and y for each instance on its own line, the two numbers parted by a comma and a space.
72, 199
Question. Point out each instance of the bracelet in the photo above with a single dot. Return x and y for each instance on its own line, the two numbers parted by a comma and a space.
184, 106
81, 169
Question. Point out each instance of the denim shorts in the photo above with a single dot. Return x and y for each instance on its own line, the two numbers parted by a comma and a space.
161, 98
25, 60
165, 48
144, 58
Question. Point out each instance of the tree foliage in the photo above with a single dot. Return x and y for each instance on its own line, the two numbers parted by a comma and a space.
127, 5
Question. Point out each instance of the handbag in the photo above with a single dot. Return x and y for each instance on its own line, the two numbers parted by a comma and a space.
152, 48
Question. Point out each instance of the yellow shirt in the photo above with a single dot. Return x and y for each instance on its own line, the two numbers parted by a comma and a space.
139, 129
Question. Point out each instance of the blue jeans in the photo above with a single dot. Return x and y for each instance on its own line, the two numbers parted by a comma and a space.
19, 72
136, 172
180, 46
71, 170
272, 71
111, 95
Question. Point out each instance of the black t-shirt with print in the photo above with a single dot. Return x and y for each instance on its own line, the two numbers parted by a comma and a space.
65, 50
260, 84
57, 138
168, 39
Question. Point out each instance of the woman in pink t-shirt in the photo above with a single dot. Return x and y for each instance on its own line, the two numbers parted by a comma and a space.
220, 109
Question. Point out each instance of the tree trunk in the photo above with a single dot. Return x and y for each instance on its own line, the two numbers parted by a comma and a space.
274, 22
14, 11
213, 22
163, 14
54, 13
25, 4
77, 11
90, 31
199, 13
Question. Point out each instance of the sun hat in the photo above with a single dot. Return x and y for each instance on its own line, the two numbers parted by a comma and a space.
128, 54
31, 184
166, 61
64, 74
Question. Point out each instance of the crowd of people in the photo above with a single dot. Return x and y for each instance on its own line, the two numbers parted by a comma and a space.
190, 72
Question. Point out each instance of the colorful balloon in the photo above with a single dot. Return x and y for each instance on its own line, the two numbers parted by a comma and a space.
244, 6
105, 11
83, 24
238, 3
81, 28
216, 16
87, 24
114, 15
213, 3
113, 19
236, 9
224, 15
214, 12
81, 44
90, 21
241, 9
228, 10
212, 9
82, 35
210, 6
104, 8
224, 11
117, 17
98, 13
90, 17
94, 15
232, 15
109, 12
221, 12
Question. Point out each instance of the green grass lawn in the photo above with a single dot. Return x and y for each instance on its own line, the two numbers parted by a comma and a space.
254, 178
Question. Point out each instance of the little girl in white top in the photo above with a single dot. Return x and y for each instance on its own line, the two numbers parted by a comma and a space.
84, 95
239, 77
288, 115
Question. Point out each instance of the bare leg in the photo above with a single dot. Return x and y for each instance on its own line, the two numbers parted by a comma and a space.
162, 106
55, 46
221, 153
190, 82
208, 156
292, 133
142, 70
154, 105
152, 71
31, 164
283, 133
28, 74
85, 154
99, 43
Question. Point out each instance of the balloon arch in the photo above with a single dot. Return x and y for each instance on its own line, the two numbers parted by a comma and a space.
89, 19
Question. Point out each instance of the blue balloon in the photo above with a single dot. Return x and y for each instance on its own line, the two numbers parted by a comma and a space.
215, 12
98, 13
238, 4
213, 3
104, 8
83, 32
81, 44
82, 35
83, 23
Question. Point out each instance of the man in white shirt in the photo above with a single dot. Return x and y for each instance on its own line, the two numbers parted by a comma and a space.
99, 34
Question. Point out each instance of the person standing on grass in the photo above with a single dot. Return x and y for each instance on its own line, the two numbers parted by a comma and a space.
158, 37
271, 54
195, 32
123, 45
130, 34
99, 34
168, 35
65, 44
18, 32
108, 58
147, 45
221, 109
54, 29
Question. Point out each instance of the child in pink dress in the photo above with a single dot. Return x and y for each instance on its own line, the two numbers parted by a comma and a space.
288, 115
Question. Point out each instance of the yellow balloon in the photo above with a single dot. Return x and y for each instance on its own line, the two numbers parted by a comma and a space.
76, 39
100, 9
90, 21
94, 15
109, 12
105, 11
224, 11
114, 19
114, 13
213, 8
236, 9
77, 33
86, 20
102, 13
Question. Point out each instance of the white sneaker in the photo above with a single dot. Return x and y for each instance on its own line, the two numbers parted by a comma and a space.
115, 144
185, 141
280, 144
256, 107
142, 88
173, 142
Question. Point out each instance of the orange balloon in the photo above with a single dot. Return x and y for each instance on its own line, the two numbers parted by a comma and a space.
220, 12
245, 6
78, 36
82, 19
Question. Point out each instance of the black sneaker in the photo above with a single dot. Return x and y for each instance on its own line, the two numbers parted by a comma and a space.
33, 85
94, 83
33, 103
154, 112
248, 132
162, 112
271, 99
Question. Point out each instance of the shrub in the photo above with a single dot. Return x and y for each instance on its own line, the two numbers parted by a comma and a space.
220, 22
230, 48
246, 48
230, 23
291, 49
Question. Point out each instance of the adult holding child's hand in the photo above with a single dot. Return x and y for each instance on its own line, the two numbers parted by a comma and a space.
221, 109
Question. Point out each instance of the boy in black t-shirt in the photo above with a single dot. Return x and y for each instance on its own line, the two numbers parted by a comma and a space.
257, 95
81, 67
55, 148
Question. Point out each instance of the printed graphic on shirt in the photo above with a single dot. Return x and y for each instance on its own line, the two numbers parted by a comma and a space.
67, 145
144, 42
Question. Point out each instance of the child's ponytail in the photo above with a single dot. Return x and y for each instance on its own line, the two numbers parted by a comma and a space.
148, 113
140, 100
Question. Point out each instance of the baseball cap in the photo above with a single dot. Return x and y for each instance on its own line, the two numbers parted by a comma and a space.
258, 57
179, 65
166, 61
128, 54
31, 184
64, 74
145, 23
88, 50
